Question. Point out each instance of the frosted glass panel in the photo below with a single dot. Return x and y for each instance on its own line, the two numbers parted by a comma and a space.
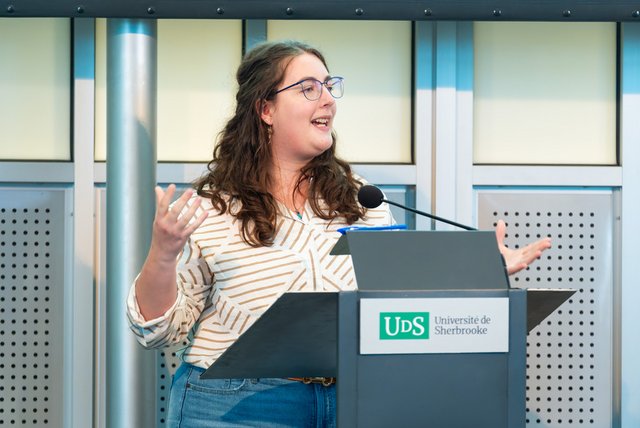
197, 60
545, 93
35, 89
374, 116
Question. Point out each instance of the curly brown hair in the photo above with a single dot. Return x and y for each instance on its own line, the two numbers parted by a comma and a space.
242, 159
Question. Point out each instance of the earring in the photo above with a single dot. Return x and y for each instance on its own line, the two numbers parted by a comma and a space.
269, 133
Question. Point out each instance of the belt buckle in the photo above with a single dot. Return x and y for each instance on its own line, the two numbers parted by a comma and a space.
324, 381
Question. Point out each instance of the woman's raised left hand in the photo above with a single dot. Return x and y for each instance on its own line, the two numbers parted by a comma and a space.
519, 258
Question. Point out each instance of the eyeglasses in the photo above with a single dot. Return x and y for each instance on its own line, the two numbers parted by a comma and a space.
312, 88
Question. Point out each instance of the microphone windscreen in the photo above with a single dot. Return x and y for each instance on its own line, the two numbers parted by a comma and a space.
370, 196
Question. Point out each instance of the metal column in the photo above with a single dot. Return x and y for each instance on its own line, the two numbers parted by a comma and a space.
131, 176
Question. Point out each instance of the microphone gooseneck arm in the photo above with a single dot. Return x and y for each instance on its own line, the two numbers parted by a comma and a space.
435, 217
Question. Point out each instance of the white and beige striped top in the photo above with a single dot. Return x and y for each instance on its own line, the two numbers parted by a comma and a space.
224, 285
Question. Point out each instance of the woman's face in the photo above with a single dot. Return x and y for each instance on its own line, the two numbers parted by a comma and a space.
301, 128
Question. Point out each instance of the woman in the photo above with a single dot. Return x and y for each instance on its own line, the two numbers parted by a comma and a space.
262, 223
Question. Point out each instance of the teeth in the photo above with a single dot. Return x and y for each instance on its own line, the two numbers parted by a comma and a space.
321, 121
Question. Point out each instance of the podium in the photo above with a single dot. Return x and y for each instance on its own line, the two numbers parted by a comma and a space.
461, 361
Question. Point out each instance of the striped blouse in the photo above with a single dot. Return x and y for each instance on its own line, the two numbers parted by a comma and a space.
224, 285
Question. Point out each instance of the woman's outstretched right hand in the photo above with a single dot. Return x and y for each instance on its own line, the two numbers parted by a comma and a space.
171, 227
156, 289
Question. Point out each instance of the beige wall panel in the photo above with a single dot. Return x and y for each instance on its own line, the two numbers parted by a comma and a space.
374, 116
197, 60
35, 89
545, 93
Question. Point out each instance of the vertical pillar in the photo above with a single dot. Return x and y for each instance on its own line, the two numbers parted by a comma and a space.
424, 123
255, 32
627, 374
453, 181
131, 176
445, 144
79, 335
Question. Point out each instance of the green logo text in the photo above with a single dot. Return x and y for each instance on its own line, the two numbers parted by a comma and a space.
404, 325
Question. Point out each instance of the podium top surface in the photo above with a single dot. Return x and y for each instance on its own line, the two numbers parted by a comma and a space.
542, 302
295, 337
424, 260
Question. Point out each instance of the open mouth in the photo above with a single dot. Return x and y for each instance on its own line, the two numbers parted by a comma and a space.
321, 122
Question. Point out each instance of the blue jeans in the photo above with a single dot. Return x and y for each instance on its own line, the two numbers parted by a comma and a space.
226, 403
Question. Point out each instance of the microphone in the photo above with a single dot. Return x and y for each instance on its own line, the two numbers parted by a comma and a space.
370, 196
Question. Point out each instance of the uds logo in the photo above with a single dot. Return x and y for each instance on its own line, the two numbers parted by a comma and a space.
404, 325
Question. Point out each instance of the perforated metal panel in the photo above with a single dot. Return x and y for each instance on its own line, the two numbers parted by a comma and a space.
31, 306
168, 363
569, 356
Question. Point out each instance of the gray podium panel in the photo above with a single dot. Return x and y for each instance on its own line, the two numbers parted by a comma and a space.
296, 337
424, 260
413, 390
433, 390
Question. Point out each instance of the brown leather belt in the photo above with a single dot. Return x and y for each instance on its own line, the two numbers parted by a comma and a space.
324, 381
